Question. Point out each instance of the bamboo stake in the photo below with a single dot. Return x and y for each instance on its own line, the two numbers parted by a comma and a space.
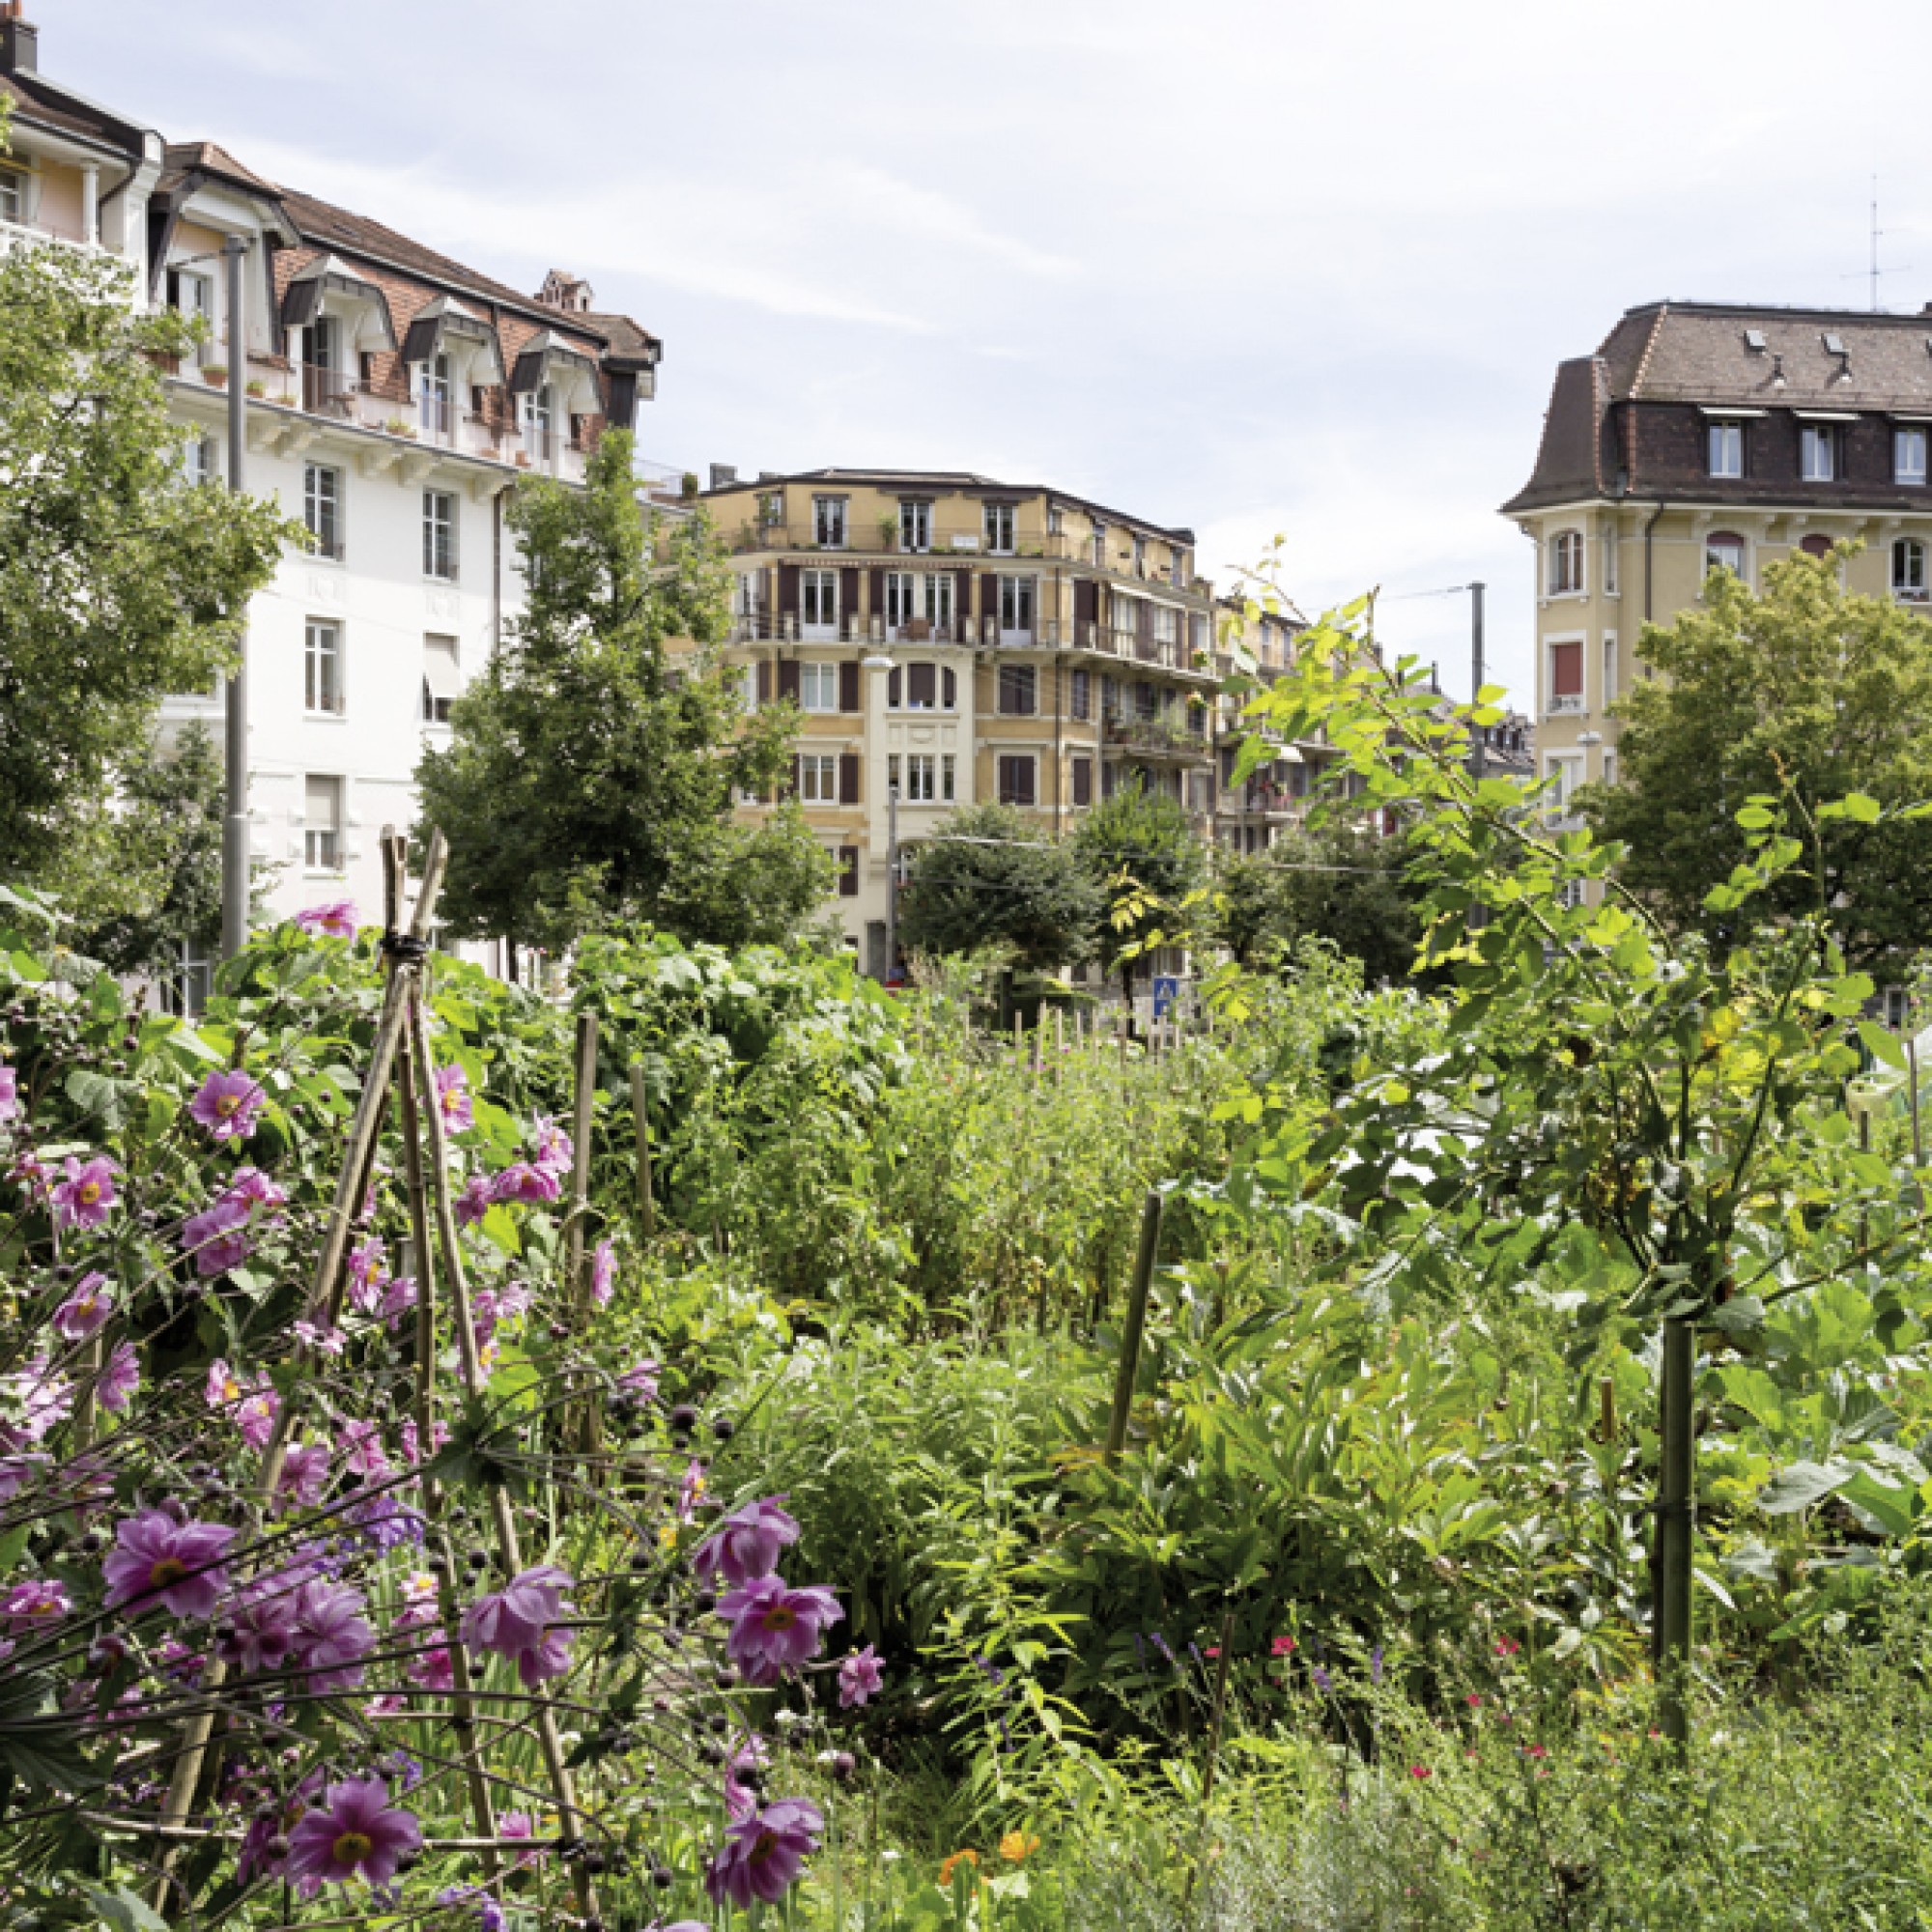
1917, 1144
473, 1382
647, 1206
1134, 1327
1675, 1524
579, 1168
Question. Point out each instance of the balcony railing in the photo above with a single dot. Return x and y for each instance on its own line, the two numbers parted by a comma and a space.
986, 632
946, 545
329, 392
1156, 735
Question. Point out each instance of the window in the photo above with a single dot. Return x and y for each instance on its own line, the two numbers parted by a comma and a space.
1000, 529
772, 506
540, 423
948, 688
922, 780
1816, 546
1609, 568
198, 460
1565, 677
439, 535
322, 508
322, 824
1567, 770
1016, 780
442, 680
921, 686
1723, 551
1080, 701
1908, 456
1180, 572
195, 296
1083, 781
434, 398
1609, 671
946, 765
818, 602
1100, 543
818, 778
1907, 569
321, 667
828, 523
1140, 557
1566, 564
1725, 443
915, 523
848, 871
818, 687
1056, 519
1016, 691
1817, 452
918, 598
13, 185
1166, 629
1016, 606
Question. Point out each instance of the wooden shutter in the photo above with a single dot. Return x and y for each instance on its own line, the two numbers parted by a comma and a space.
1083, 781
848, 778
989, 601
892, 679
764, 680
788, 676
962, 604
1566, 670
848, 677
922, 685
848, 601
1085, 601
848, 871
878, 593
788, 590
949, 689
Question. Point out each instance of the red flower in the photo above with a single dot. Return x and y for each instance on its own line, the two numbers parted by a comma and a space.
1507, 1646
1282, 1646
1534, 1751
1474, 1699
1420, 1771
1213, 1650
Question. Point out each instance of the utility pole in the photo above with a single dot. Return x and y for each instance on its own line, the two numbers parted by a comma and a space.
235, 719
1477, 747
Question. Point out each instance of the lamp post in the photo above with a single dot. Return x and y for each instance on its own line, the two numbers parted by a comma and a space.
879, 660
234, 696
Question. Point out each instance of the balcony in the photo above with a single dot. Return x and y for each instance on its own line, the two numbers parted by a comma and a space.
948, 547
1155, 737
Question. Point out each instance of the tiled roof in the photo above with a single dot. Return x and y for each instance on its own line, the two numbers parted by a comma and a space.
39, 102
628, 341
185, 157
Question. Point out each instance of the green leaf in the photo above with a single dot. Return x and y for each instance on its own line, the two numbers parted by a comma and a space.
1883, 1045
1866, 811
120, 1909
1803, 1483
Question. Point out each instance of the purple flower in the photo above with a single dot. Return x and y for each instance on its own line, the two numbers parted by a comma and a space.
82, 1200
553, 1151
84, 1310
228, 1105
603, 1273
251, 1185
179, 1565
642, 1381
9, 1092
366, 1279
337, 920
452, 1095
764, 1853
304, 1473
473, 1203
116, 1385
525, 1182
355, 1834
398, 1298
258, 1632
218, 1236
35, 1604
746, 1545
776, 1629
332, 1635
45, 1399
860, 1678
366, 1454
515, 1622
386, 1524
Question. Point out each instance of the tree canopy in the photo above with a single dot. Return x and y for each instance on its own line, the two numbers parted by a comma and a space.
1140, 850
987, 877
1804, 694
590, 779
1343, 883
120, 581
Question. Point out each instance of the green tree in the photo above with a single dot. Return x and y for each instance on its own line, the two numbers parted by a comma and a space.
1140, 850
1804, 692
590, 780
119, 581
1343, 883
988, 878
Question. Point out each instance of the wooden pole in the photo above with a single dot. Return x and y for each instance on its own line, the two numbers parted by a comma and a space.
1675, 1525
582, 1118
647, 1206
1134, 1327
1917, 1144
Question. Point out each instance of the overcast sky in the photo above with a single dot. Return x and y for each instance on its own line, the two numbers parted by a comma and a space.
1249, 266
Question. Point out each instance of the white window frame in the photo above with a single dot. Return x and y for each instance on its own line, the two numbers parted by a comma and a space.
1568, 768
1907, 569
1817, 453
1030, 757
323, 682
434, 705
1724, 449
1019, 601
16, 186
916, 525
1740, 569
1565, 549
1001, 525
199, 463
818, 605
1611, 538
831, 522
818, 778
1569, 705
1909, 454
1609, 668
322, 501
817, 686
947, 776
323, 844
922, 778
442, 518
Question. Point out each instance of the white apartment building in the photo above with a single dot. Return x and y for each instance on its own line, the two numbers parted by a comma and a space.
394, 399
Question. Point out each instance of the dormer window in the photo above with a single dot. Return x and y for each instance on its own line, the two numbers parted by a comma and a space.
1726, 444
435, 398
1908, 456
1818, 453
540, 424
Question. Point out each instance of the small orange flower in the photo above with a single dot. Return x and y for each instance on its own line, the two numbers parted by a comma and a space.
1017, 1847
945, 1870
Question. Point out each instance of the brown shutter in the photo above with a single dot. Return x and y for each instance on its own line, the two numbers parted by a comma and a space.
962, 604
1083, 781
788, 590
893, 689
990, 600
788, 678
922, 686
949, 689
764, 680
848, 778
848, 601
848, 871
1085, 601
848, 677
878, 577
1566, 670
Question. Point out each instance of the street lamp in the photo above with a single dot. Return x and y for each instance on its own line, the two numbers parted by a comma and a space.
878, 660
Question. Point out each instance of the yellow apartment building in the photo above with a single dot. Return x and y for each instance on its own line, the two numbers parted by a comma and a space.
951, 640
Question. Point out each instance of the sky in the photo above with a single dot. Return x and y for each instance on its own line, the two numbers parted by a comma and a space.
1258, 268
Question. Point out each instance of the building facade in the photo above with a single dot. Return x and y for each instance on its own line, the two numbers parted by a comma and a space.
1701, 437
393, 397
951, 640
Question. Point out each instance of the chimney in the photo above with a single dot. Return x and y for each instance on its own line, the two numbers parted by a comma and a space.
724, 476
20, 41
